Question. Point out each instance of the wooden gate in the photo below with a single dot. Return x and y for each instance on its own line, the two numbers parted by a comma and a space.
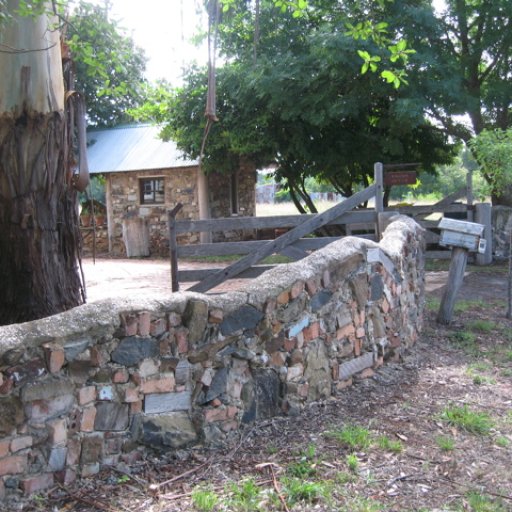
294, 242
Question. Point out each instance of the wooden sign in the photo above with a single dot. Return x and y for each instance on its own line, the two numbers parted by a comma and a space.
399, 178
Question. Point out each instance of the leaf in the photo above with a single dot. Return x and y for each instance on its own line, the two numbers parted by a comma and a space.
389, 76
401, 45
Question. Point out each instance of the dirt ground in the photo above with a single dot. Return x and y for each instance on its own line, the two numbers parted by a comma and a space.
108, 278
435, 431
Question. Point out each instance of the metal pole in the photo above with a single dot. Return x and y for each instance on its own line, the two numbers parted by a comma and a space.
378, 173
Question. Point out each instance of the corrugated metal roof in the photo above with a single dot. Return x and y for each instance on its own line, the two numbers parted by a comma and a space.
132, 148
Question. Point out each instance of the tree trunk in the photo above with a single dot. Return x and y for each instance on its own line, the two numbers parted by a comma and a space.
39, 235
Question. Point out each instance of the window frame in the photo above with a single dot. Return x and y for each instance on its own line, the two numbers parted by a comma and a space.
158, 190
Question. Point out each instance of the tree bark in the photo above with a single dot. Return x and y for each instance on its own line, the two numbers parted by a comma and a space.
39, 234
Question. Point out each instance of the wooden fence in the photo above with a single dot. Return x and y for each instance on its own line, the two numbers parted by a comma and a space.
295, 243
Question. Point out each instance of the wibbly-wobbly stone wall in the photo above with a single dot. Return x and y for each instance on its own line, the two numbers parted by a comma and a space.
105, 382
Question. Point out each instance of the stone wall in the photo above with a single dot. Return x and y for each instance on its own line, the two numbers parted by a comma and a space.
105, 382
92, 246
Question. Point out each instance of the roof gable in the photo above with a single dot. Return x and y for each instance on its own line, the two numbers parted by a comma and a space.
132, 148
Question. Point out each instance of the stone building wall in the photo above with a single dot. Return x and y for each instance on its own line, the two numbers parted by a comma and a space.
124, 204
106, 382
180, 187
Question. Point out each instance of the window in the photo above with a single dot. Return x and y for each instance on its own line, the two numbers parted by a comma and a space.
152, 191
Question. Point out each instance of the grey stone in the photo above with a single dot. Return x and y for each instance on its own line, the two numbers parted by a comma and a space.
12, 357
195, 318
183, 372
212, 435
57, 459
262, 395
11, 414
92, 448
244, 318
320, 299
291, 311
111, 416
343, 316
218, 385
46, 389
379, 327
74, 348
359, 286
12, 482
133, 350
157, 403
42, 410
244, 353
174, 430
356, 365
28, 371
376, 287
80, 371
317, 371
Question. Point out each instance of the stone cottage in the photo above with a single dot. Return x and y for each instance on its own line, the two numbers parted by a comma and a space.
146, 177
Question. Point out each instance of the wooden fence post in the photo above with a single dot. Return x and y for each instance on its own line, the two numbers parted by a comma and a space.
173, 246
483, 215
455, 278
378, 173
469, 196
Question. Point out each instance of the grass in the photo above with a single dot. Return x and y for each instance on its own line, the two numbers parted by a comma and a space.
466, 341
463, 306
301, 469
297, 490
432, 304
344, 477
474, 370
287, 208
445, 443
306, 466
245, 495
480, 380
481, 503
502, 442
272, 450
352, 462
204, 499
471, 421
480, 366
390, 445
362, 505
485, 326
351, 436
